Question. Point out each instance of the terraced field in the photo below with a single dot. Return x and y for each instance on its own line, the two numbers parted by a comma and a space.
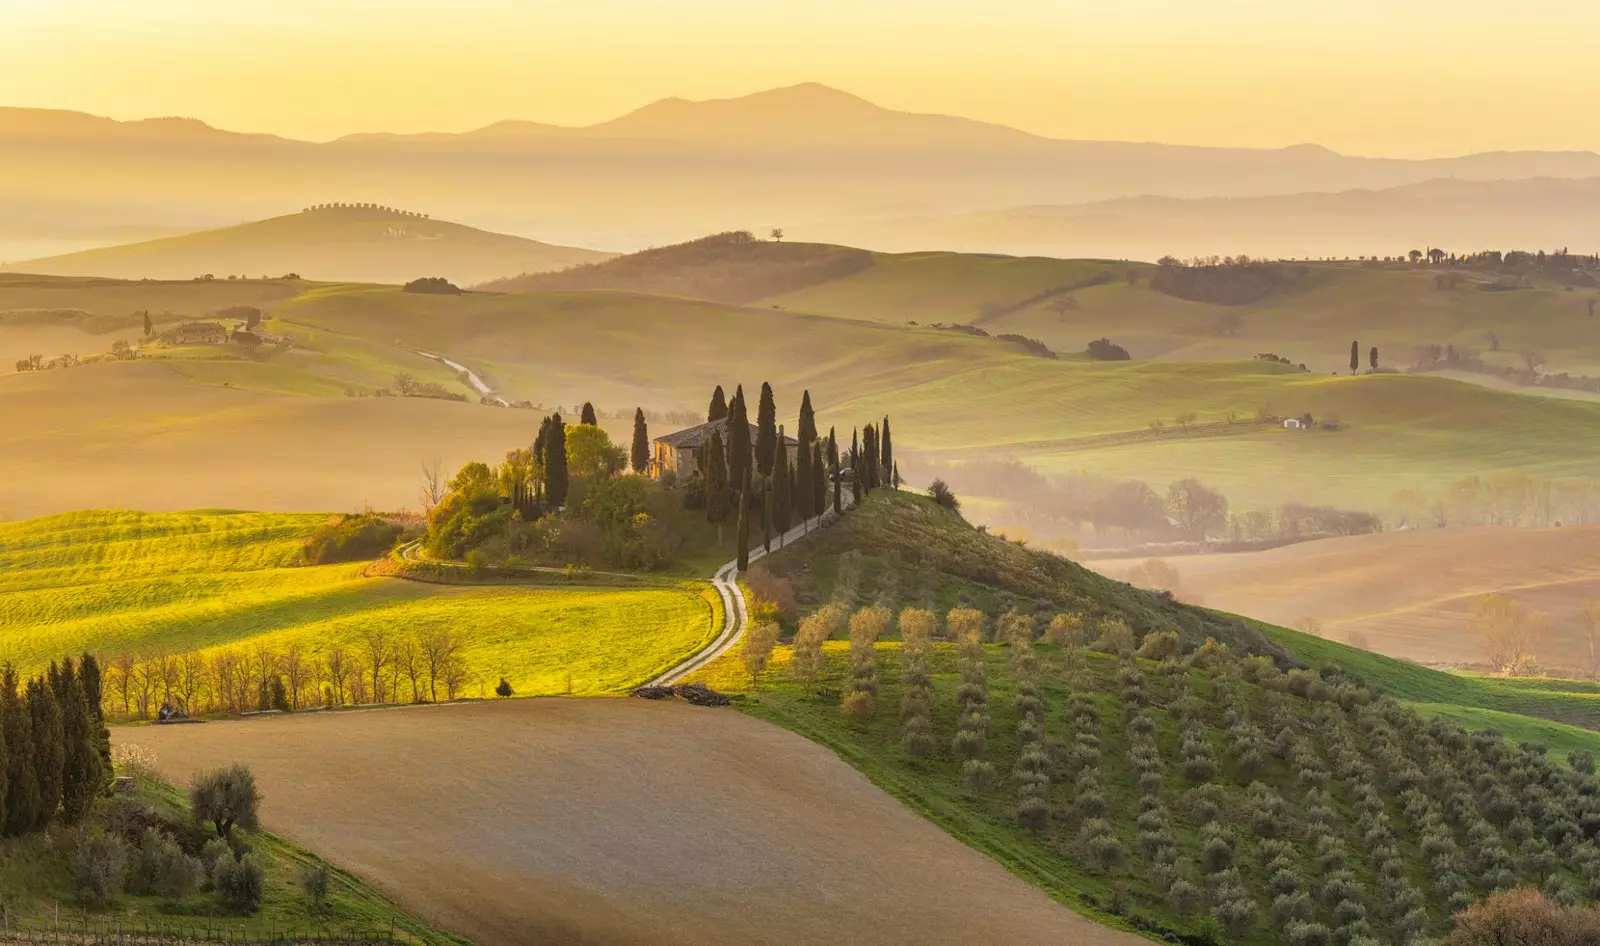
125, 582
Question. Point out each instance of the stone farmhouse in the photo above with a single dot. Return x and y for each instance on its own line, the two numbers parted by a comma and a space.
679, 453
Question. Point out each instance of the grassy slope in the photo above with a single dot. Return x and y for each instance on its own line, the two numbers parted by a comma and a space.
117, 582
370, 245
35, 876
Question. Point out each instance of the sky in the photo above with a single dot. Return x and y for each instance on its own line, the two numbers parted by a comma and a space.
1360, 76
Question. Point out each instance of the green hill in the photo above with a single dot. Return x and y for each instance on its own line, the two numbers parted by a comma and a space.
1208, 799
216, 584
361, 244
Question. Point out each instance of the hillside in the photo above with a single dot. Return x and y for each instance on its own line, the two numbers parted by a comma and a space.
221, 584
800, 156
356, 244
1410, 594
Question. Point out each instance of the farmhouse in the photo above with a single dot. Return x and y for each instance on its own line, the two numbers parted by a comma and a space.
679, 453
199, 333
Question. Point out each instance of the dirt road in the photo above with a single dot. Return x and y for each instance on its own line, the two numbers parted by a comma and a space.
619, 822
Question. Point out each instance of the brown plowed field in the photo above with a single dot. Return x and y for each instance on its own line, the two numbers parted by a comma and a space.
1409, 594
619, 822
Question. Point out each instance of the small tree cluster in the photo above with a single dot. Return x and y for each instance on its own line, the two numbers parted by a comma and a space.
972, 699
1032, 771
808, 662
860, 696
916, 701
55, 752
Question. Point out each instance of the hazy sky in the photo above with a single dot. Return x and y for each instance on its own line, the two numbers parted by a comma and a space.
1361, 76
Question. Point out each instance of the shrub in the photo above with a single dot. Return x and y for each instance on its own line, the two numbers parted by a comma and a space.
1106, 851
350, 538
943, 495
1237, 916
239, 883
977, 776
314, 881
1216, 854
226, 798
1160, 645
160, 867
1033, 812
1115, 637
99, 863
859, 706
1184, 897
1307, 934
917, 740
1290, 907
503, 689
213, 852
969, 741
1199, 768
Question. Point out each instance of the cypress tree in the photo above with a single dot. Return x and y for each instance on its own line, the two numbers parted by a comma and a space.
5, 765
856, 486
1372, 358
738, 439
807, 431
886, 450
766, 429
719, 406
149, 328
715, 475
743, 559
641, 442
49, 757
819, 480
553, 453
783, 488
587, 415
867, 459
833, 468
22, 783
80, 768
1355, 357
801, 492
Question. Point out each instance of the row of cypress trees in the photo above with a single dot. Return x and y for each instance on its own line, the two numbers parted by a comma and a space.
55, 751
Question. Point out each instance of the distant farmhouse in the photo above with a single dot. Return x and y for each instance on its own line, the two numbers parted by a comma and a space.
679, 453
197, 333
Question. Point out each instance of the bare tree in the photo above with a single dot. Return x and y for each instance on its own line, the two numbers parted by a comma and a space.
191, 680
336, 673
296, 672
409, 663
123, 669
378, 653
440, 647
1510, 634
433, 485
1589, 619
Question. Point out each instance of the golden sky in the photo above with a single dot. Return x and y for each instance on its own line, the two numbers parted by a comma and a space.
1361, 76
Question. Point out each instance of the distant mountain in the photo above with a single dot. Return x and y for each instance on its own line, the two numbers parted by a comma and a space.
801, 158
358, 244
1459, 215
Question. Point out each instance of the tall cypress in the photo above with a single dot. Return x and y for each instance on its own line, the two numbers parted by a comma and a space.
819, 480
1355, 357
5, 765
886, 451
833, 470
553, 453
867, 459
586, 416
22, 782
715, 476
80, 763
856, 486
801, 493
641, 442
719, 406
783, 488
766, 429
743, 559
807, 431
49, 756
738, 439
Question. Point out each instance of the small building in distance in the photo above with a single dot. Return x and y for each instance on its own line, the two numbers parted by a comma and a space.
198, 333
679, 453
1293, 423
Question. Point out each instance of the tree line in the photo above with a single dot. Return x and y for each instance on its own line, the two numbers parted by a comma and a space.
380, 667
55, 751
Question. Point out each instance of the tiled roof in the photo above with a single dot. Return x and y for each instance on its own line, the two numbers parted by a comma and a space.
691, 437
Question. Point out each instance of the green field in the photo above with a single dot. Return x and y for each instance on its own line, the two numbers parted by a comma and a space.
125, 582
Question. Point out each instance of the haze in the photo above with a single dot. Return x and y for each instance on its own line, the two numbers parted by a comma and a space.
1361, 77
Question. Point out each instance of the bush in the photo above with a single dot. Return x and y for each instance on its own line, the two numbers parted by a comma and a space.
1160, 645
350, 538
99, 864
226, 798
917, 739
859, 705
239, 883
503, 689
977, 776
1103, 349
943, 495
1184, 897
160, 867
1307, 934
314, 881
1106, 851
213, 852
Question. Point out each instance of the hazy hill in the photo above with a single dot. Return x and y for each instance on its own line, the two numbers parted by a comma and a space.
359, 244
817, 161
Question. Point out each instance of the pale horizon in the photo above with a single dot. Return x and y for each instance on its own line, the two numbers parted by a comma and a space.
1364, 80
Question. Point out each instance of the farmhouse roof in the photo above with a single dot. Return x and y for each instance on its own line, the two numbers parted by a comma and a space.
691, 437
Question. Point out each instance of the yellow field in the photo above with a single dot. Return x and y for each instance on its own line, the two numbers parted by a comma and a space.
138, 583
1408, 594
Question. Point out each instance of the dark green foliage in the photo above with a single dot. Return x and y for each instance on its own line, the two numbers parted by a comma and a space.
715, 470
886, 456
23, 802
1355, 357
81, 777
587, 416
766, 430
89, 678
225, 799
743, 528
503, 689
240, 883
551, 449
719, 406
99, 864
806, 432
739, 446
833, 471
350, 538
857, 484
314, 879
782, 487
1103, 349
1231, 283
436, 285
804, 486
943, 495
160, 867
49, 749
640, 454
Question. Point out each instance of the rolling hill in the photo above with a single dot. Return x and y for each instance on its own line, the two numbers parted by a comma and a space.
357, 244
818, 161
